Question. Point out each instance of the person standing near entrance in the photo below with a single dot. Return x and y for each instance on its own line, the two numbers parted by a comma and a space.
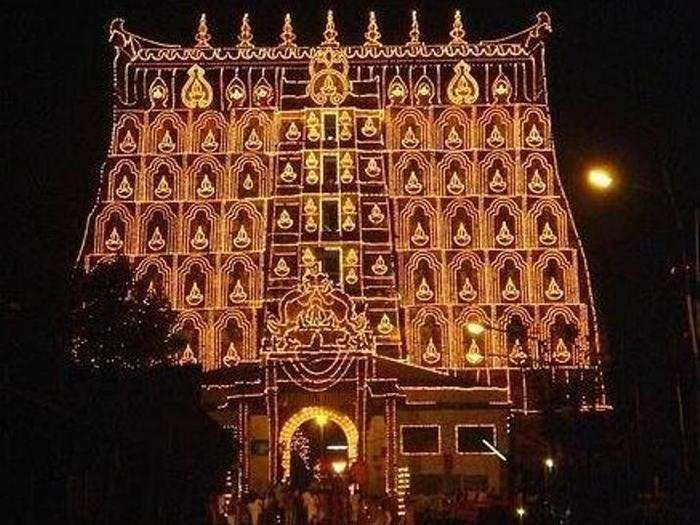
286, 504
235, 512
255, 508
311, 505
305, 497
358, 474
354, 507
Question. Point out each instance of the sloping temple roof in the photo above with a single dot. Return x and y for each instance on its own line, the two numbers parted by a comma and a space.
138, 48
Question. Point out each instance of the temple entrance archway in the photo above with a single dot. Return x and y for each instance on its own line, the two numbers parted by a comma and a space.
322, 416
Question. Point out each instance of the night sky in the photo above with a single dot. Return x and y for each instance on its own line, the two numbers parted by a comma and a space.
620, 92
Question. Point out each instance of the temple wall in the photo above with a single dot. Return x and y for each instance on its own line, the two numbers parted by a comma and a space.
259, 463
376, 451
421, 178
428, 471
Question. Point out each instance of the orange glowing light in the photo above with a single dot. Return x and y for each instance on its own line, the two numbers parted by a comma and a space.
339, 466
600, 178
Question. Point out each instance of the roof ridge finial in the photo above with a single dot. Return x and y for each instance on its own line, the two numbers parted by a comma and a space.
414, 33
544, 21
287, 36
458, 33
202, 37
245, 35
372, 35
330, 35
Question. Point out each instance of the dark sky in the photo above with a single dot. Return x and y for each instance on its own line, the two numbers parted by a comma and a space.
620, 92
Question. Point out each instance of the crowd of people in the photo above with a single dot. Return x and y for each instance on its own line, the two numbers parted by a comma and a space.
465, 507
339, 504
316, 505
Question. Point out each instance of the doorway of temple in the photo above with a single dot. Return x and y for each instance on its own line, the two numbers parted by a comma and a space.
317, 443
319, 449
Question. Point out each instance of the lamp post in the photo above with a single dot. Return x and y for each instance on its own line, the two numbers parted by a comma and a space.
603, 179
477, 329
549, 463
544, 347
548, 468
321, 420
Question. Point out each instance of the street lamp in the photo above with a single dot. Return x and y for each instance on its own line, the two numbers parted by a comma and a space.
548, 504
600, 178
339, 466
476, 329
321, 420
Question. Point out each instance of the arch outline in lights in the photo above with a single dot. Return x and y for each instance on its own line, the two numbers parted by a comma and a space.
306, 414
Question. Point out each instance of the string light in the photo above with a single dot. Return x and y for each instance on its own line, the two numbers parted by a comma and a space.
238, 176
403, 488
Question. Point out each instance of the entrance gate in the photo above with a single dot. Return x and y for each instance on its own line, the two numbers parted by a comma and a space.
318, 413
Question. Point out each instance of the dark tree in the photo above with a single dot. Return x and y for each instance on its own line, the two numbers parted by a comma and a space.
141, 448
119, 322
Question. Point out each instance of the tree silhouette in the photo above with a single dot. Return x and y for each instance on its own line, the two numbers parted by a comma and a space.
142, 449
119, 322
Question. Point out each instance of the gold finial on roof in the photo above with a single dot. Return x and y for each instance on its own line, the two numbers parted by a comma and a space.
414, 34
544, 22
372, 35
245, 36
202, 37
458, 33
330, 35
287, 36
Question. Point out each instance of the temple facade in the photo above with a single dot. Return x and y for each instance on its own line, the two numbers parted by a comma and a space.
332, 221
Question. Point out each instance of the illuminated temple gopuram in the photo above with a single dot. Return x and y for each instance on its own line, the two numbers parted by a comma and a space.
329, 219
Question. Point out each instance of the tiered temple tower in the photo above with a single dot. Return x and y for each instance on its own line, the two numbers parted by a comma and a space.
335, 216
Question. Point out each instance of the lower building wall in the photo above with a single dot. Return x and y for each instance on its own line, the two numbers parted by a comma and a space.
442, 471
258, 444
376, 455
447, 469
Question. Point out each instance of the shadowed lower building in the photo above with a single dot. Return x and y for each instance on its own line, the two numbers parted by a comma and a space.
329, 219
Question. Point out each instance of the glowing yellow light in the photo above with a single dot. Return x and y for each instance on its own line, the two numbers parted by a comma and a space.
549, 463
339, 466
600, 178
321, 419
475, 328
520, 511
